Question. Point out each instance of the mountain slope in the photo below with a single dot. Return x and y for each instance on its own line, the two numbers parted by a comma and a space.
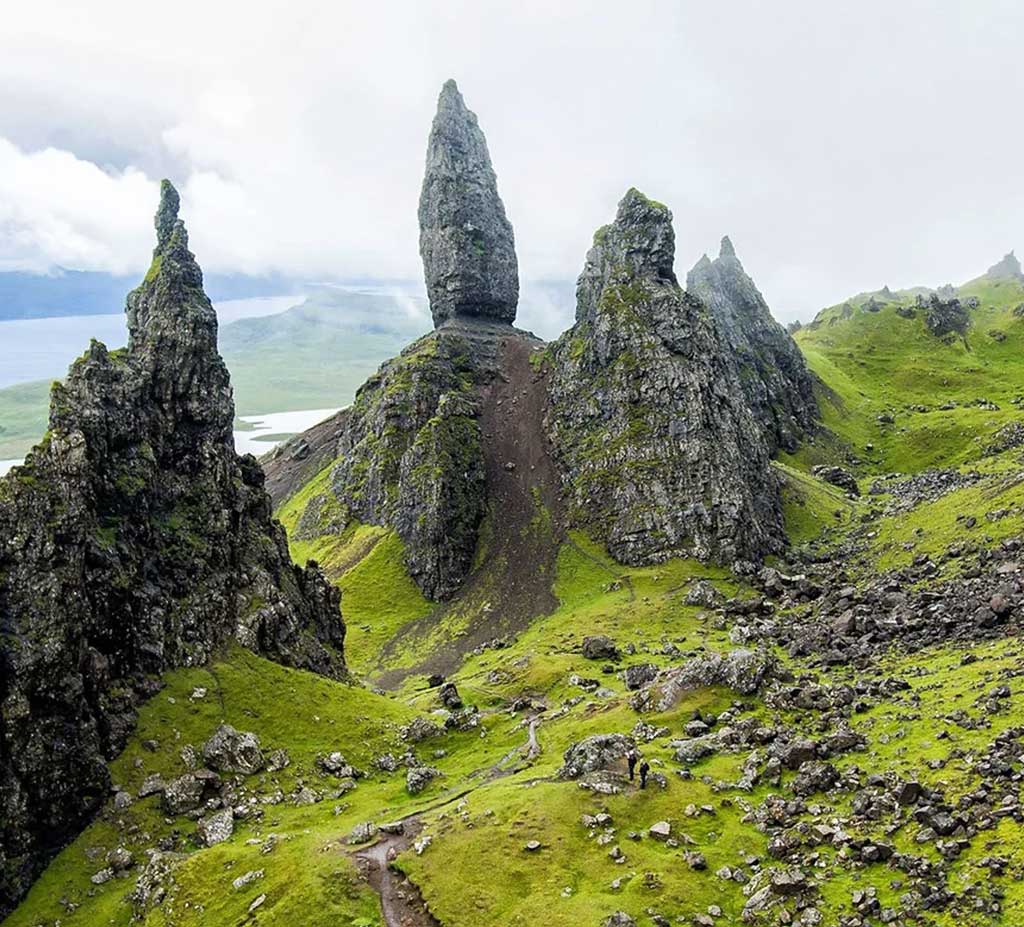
880, 361
773, 375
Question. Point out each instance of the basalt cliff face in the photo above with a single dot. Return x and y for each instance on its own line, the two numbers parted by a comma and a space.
773, 374
659, 452
133, 540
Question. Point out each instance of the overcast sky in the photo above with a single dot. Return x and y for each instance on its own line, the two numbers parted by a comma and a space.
841, 146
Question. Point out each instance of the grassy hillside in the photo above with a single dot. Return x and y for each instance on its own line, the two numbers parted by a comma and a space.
24, 412
492, 802
879, 364
315, 355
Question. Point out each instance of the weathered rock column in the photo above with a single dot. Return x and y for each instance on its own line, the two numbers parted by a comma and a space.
466, 241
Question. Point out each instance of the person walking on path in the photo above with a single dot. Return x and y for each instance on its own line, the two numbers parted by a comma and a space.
645, 768
631, 759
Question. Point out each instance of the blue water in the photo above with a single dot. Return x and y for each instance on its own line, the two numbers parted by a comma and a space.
42, 349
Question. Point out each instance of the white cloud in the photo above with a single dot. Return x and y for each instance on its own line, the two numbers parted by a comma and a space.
57, 209
840, 147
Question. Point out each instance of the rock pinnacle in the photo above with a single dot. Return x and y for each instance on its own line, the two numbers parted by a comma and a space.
1008, 267
466, 240
167, 213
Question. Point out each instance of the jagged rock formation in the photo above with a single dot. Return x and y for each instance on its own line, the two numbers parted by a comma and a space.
660, 454
466, 241
133, 540
776, 382
1007, 268
945, 317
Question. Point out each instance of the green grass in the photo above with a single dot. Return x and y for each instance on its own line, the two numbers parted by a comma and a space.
876, 363
310, 877
24, 412
367, 563
934, 527
490, 801
811, 506
305, 714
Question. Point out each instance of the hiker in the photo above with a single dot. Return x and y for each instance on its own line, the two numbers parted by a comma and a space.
645, 768
631, 762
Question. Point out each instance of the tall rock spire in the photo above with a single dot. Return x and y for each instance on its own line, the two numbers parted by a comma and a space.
778, 386
659, 452
466, 241
133, 540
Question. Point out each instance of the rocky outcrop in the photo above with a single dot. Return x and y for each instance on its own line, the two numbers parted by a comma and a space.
466, 241
945, 317
133, 540
411, 456
1006, 269
776, 382
659, 451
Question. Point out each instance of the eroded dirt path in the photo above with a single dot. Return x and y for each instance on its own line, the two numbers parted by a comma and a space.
401, 903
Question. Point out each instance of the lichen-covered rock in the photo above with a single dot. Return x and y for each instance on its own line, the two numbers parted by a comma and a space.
410, 453
837, 476
594, 754
419, 777
466, 241
946, 317
183, 794
420, 729
215, 828
776, 382
155, 882
599, 647
229, 750
134, 539
744, 671
660, 454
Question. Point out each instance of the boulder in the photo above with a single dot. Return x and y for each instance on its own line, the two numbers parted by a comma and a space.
183, 794
639, 675
229, 750
837, 476
420, 729
599, 647
618, 919
449, 696
595, 753
215, 828
743, 670
419, 777
661, 830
